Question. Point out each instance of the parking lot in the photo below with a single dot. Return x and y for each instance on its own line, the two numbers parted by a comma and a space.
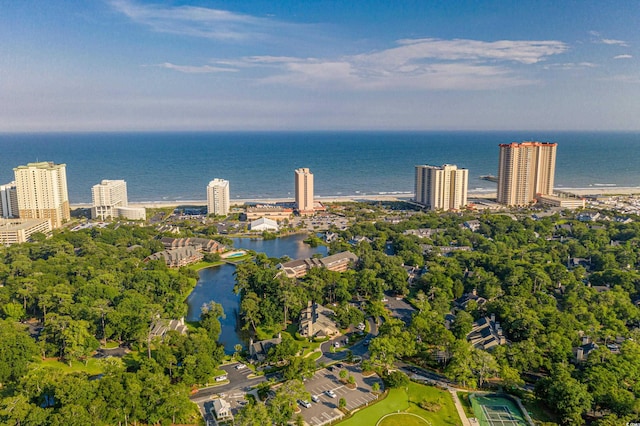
326, 409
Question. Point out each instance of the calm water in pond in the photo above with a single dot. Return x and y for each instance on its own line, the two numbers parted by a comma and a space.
217, 283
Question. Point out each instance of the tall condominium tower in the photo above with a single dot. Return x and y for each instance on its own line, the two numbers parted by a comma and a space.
218, 197
8, 200
441, 188
525, 170
106, 197
42, 192
304, 190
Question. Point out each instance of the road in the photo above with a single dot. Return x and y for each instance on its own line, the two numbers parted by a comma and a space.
239, 381
357, 349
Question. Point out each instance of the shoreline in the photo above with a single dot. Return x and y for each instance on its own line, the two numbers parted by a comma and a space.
604, 190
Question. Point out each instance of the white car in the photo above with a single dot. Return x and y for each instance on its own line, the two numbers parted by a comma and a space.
304, 403
330, 393
240, 367
336, 344
221, 378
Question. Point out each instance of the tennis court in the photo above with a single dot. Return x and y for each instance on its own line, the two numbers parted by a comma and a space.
493, 410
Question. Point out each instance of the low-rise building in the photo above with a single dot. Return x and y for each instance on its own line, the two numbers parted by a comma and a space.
201, 244
270, 211
563, 202
258, 350
176, 258
221, 409
486, 334
338, 262
162, 326
131, 213
264, 224
316, 321
15, 231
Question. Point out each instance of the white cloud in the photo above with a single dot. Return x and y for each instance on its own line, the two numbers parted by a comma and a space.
570, 65
622, 57
610, 41
199, 21
190, 69
526, 52
426, 64
421, 64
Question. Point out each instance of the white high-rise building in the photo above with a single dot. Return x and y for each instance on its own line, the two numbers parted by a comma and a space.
8, 200
304, 190
42, 192
106, 197
441, 188
218, 197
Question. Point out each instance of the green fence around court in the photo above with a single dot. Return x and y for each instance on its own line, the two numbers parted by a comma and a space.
496, 410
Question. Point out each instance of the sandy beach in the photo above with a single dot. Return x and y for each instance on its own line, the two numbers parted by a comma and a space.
600, 190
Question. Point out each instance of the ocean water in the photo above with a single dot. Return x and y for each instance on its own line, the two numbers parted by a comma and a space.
178, 166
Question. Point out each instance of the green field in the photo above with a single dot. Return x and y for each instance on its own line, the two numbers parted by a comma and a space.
402, 420
92, 366
407, 400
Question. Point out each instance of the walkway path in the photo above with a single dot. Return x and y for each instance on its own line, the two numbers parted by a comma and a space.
461, 413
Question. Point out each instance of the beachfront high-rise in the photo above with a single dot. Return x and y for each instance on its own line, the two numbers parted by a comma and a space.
525, 170
304, 190
42, 192
106, 197
441, 188
8, 200
218, 197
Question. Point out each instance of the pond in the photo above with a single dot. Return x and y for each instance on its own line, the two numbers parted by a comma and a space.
216, 283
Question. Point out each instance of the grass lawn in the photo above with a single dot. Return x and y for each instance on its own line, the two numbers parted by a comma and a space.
466, 404
407, 400
92, 367
403, 419
202, 264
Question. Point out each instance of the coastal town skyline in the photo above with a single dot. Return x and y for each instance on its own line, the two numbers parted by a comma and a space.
119, 65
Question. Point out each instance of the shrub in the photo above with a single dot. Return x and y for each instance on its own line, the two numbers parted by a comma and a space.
431, 406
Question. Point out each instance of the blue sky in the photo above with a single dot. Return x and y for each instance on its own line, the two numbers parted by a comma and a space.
119, 65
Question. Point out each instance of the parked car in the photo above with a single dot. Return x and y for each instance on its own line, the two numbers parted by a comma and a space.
315, 398
304, 403
221, 378
240, 367
330, 393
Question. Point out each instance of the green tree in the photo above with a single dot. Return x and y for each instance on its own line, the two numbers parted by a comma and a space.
210, 319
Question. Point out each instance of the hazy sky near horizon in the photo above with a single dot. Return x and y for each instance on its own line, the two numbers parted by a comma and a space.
120, 65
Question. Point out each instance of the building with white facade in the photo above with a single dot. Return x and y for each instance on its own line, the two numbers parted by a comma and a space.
42, 192
264, 224
441, 188
106, 197
8, 200
131, 213
218, 197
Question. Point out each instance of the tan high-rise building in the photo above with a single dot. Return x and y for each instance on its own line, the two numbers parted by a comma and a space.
42, 192
441, 188
107, 196
304, 190
525, 170
218, 197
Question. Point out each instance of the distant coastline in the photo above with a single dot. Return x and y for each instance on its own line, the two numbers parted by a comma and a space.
599, 190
